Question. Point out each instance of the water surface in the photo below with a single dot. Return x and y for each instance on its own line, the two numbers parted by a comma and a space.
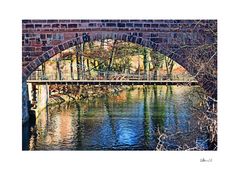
128, 120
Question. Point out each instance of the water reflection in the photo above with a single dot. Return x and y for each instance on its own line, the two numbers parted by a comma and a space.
125, 121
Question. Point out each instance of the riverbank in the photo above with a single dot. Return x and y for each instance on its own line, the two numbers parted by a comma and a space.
58, 94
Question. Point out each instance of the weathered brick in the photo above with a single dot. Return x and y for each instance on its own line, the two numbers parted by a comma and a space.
139, 40
111, 24
49, 35
156, 40
66, 45
133, 39
92, 24
28, 48
38, 25
129, 24
138, 25
63, 25
61, 47
35, 53
176, 21
26, 21
124, 37
174, 25
47, 26
46, 56
41, 58
72, 25
43, 36
121, 25
154, 25
104, 20
44, 42
26, 42
27, 58
52, 21
165, 40
39, 21
78, 40
51, 52
46, 48
33, 65
147, 25
29, 67
155, 47
70, 44
123, 29
29, 26
163, 25
133, 20
154, 34
124, 20
37, 62
84, 20
56, 50
26, 72
55, 25
64, 21
24, 63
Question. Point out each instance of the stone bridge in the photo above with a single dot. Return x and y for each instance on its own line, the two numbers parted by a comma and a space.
191, 43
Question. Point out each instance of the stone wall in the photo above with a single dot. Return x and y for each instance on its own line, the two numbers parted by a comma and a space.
25, 102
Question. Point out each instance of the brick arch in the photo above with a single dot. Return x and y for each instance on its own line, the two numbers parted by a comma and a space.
173, 38
86, 37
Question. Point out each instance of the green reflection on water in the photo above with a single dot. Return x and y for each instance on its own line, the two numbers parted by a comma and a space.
127, 120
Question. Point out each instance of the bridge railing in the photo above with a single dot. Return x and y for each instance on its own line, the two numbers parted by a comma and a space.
100, 75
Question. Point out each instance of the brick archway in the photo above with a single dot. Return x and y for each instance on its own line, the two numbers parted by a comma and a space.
173, 38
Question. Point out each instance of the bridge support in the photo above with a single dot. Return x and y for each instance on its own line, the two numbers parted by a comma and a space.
25, 102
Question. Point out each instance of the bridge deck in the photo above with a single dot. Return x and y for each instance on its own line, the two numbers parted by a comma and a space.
115, 82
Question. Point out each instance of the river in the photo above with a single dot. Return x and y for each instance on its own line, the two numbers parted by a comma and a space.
127, 120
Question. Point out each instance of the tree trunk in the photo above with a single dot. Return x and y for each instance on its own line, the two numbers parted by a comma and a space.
43, 71
111, 58
138, 68
88, 68
100, 64
169, 67
77, 62
155, 73
71, 68
59, 70
82, 61
91, 46
145, 62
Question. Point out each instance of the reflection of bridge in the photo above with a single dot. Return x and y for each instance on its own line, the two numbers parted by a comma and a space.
114, 82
